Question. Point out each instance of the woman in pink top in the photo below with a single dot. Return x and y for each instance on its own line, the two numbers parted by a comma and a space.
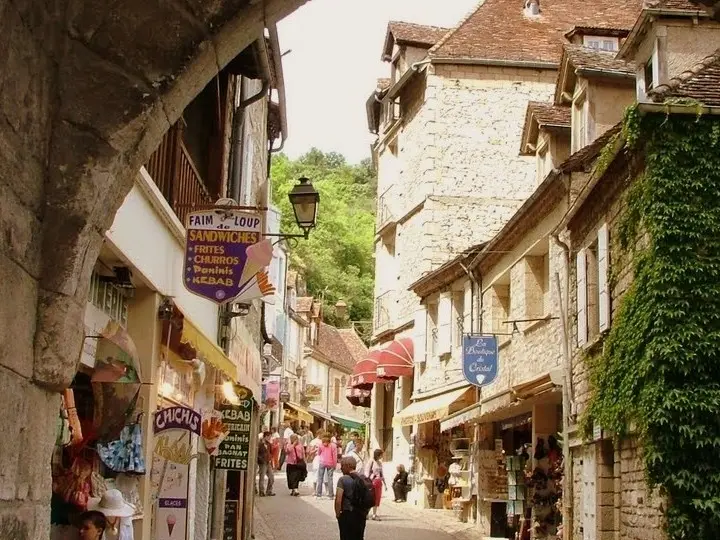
296, 469
327, 462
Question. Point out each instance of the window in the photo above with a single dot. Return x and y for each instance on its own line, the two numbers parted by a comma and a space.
500, 306
444, 324
579, 123
593, 294
536, 285
432, 331
649, 75
542, 162
336, 392
602, 43
458, 313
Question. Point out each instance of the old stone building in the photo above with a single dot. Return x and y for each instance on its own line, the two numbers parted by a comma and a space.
449, 122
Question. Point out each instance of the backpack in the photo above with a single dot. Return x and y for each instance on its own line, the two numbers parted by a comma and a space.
363, 496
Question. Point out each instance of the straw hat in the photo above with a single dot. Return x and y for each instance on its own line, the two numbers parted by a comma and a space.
112, 504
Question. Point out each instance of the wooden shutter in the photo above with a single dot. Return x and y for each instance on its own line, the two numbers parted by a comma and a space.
445, 324
603, 288
589, 493
581, 281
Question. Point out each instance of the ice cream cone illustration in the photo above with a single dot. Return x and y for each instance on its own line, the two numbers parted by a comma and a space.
257, 287
171, 519
258, 256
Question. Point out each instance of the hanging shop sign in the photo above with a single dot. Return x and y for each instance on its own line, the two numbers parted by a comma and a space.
234, 450
313, 392
225, 255
173, 428
480, 359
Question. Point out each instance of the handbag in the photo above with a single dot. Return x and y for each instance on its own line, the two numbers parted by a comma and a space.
300, 464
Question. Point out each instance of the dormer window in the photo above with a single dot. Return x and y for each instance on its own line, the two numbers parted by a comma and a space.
649, 75
602, 43
532, 8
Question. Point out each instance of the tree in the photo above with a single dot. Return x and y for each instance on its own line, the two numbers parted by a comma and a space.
337, 260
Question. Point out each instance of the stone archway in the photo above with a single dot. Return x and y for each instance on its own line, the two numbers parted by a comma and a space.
86, 93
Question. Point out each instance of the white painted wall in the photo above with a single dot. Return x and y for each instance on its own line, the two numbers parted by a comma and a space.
148, 234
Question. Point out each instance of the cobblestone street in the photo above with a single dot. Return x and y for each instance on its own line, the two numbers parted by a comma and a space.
288, 518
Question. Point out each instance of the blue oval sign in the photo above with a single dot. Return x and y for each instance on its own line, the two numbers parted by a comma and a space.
480, 359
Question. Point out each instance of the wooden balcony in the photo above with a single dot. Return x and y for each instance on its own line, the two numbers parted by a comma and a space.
174, 173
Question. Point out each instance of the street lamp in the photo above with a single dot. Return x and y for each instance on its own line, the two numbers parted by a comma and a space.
304, 200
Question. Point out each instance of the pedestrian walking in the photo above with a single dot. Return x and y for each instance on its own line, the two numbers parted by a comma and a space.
296, 469
275, 442
400, 484
313, 457
327, 461
351, 502
284, 440
374, 471
352, 443
265, 466
355, 453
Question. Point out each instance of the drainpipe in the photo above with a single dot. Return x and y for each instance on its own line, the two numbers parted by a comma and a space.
567, 394
237, 152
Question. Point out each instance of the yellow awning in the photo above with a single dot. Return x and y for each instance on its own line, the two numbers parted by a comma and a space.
302, 414
207, 350
429, 410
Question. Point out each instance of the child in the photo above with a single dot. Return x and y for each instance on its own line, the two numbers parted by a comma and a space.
92, 525
400, 484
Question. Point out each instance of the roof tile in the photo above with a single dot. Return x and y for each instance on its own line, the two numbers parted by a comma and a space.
500, 29
417, 34
701, 83
548, 114
333, 344
586, 58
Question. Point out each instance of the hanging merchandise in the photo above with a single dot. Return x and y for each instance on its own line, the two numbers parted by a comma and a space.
63, 427
126, 453
74, 486
76, 434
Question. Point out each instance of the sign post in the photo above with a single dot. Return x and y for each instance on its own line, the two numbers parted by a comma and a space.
173, 428
480, 359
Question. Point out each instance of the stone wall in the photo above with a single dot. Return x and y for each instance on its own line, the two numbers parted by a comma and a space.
86, 95
636, 512
458, 176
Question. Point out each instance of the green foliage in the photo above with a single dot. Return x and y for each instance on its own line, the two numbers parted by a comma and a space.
336, 260
660, 367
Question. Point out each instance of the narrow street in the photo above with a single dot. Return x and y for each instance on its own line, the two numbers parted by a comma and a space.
289, 518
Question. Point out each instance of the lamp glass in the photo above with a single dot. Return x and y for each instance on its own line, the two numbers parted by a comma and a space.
304, 200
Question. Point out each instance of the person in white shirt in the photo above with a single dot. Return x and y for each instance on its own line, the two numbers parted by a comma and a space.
352, 443
284, 441
355, 453
312, 453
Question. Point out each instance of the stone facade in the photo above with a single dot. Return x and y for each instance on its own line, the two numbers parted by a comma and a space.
449, 172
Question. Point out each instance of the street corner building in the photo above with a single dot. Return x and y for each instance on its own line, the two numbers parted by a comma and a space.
167, 397
504, 173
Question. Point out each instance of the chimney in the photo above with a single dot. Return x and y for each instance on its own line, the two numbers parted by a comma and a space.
532, 8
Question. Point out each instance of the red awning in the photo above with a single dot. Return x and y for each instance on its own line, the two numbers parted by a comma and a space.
359, 398
365, 372
396, 360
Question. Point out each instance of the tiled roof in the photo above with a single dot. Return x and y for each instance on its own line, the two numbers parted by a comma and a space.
686, 5
418, 34
701, 83
303, 304
586, 58
548, 114
500, 29
334, 347
355, 345
596, 31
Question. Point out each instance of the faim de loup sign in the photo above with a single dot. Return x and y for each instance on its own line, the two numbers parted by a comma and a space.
224, 251
480, 359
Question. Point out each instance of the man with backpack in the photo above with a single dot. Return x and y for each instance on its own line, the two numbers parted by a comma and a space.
353, 500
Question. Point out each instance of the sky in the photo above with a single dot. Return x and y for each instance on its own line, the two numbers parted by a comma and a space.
334, 62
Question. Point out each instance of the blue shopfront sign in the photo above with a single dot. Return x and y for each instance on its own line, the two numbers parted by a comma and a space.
480, 359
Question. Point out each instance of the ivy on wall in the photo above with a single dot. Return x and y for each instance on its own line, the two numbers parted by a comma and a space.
659, 370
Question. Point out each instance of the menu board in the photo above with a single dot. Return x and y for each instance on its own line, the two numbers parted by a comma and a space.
230, 528
234, 451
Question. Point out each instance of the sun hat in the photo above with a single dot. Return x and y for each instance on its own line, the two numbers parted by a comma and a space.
112, 504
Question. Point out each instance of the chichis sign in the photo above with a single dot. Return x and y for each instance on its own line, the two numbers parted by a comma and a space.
480, 359
224, 253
